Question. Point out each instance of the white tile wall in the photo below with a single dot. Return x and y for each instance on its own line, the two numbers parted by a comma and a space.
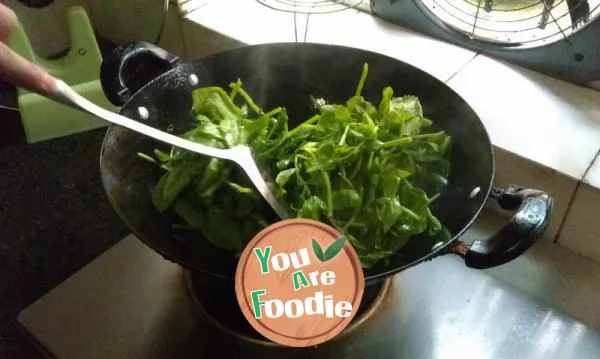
593, 176
581, 230
358, 29
200, 41
546, 120
247, 21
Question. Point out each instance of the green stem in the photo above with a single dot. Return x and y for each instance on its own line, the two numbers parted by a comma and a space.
355, 214
363, 78
427, 135
327, 187
329, 194
249, 101
235, 87
273, 112
411, 213
434, 197
370, 161
226, 99
269, 115
398, 141
358, 163
343, 139
291, 133
146, 157
348, 182
297, 167
310, 121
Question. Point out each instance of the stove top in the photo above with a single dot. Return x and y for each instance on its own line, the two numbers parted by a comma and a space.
131, 303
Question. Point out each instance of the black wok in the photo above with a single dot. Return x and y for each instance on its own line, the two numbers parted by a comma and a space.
141, 74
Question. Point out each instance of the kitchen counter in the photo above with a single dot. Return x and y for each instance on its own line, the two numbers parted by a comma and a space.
437, 309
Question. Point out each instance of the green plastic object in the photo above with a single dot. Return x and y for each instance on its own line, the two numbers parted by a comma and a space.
45, 119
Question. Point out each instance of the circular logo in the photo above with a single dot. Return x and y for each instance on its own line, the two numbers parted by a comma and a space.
299, 282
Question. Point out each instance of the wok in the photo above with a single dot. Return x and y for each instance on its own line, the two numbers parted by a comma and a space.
287, 74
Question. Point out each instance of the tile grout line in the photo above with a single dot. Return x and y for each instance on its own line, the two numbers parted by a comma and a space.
577, 185
572, 199
182, 35
462, 67
308, 15
183, 15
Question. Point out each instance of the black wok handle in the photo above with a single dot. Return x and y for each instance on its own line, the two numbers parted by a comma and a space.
533, 210
131, 66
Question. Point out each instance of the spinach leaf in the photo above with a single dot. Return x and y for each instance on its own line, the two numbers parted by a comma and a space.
370, 170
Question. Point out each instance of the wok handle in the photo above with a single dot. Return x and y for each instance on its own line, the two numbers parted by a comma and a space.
131, 66
533, 210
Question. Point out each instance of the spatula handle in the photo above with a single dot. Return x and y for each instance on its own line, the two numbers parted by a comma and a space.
64, 94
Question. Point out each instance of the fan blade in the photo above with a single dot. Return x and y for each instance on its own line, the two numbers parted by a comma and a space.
579, 11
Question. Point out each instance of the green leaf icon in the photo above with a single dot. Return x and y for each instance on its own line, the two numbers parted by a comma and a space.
317, 249
334, 248
331, 252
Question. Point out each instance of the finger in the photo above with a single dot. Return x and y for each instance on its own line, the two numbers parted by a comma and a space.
8, 21
22, 73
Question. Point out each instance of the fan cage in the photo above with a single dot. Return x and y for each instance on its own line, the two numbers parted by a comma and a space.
509, 23
522, 23
311, 6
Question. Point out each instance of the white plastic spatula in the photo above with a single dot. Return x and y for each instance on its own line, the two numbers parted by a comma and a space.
23, 73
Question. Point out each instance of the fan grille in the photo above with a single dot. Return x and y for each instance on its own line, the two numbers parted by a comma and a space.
311, 6
526, 23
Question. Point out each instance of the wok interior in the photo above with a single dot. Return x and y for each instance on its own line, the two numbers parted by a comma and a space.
287, 75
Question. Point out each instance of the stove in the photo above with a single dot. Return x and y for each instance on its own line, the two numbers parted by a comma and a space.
131, 303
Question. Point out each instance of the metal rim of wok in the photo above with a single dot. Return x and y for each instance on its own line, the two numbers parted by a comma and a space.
286, 74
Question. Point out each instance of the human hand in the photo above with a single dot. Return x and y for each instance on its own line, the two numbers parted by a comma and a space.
14, 68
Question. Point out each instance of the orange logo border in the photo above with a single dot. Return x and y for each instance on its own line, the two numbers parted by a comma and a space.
246, 306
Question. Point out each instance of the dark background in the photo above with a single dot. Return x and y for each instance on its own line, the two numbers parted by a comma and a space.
54, 216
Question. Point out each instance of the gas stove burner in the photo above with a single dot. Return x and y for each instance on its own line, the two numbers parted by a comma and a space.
217, 302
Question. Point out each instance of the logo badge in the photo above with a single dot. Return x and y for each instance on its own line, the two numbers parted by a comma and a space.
299, 282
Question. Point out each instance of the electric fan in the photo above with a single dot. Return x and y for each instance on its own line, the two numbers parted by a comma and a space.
560, 38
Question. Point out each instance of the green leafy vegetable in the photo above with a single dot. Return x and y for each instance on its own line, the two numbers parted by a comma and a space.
369, 170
